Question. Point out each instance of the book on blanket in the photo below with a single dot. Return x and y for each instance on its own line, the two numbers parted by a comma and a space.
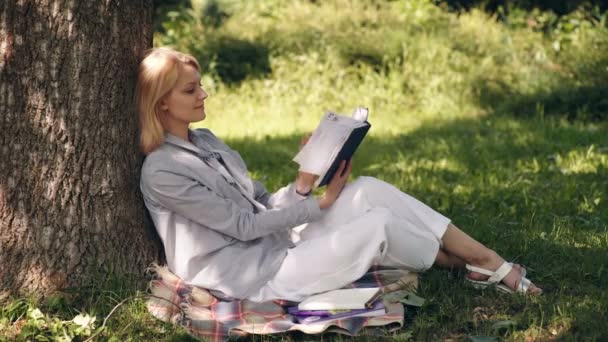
315, 316
342, 299
335, 139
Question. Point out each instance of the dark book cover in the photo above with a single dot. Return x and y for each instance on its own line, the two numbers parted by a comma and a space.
346, 152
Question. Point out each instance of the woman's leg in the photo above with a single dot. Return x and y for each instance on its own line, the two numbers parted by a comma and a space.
369, 192
448, 260
457, 247
458, 244
411, 233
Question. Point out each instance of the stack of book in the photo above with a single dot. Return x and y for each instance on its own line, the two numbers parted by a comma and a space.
339, 304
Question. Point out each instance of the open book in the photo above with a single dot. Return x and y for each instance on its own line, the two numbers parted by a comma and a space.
334, 140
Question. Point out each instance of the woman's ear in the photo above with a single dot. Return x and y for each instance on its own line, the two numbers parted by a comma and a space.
162, 104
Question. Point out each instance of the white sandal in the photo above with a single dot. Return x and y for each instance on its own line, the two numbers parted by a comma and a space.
497, 276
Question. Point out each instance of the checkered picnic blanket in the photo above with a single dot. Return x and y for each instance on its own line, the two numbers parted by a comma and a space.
204, 315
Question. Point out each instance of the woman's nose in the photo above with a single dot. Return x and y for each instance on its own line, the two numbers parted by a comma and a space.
203, 95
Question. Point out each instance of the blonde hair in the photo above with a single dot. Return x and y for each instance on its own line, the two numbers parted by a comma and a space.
158, 73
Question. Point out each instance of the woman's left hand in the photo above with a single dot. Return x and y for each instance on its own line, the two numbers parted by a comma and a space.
335, 186
304, 182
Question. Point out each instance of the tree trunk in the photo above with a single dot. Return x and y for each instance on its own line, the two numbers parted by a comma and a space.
70, 207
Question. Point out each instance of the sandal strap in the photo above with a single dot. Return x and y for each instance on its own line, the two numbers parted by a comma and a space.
501, 272
524, 285
479, 270
495, 276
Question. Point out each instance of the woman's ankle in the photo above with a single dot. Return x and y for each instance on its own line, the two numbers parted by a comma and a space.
489, 260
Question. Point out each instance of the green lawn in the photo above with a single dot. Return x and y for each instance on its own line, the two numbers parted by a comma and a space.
532, 189
501, 126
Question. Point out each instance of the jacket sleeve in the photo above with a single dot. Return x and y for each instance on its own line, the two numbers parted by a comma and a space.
260, 193
284, 197
192, 200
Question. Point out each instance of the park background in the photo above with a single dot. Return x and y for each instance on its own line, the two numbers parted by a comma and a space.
494, 113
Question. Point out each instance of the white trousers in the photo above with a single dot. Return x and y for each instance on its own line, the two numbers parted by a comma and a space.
371, 222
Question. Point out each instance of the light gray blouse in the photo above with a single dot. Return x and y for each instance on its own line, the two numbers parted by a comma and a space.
221, 230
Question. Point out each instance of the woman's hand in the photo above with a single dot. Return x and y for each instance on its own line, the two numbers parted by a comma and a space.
335, 186
304, 182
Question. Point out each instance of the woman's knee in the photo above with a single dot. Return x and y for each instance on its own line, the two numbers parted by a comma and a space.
365, 183
382, 214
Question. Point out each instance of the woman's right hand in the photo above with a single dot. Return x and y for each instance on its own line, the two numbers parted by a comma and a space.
335, 186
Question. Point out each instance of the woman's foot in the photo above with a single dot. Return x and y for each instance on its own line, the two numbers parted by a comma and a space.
511, 280
485, 262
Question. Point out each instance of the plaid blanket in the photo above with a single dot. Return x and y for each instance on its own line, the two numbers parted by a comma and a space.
204, 315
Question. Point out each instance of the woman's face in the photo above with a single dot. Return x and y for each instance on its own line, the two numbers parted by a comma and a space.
186, 101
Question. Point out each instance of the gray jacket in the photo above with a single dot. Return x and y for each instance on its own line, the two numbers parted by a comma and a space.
220, 229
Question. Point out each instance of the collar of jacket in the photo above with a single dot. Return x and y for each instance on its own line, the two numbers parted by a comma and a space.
203, 153
179, 142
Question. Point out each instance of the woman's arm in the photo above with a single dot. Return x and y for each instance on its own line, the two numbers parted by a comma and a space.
260, 193
198, 203
302, 187
285, 197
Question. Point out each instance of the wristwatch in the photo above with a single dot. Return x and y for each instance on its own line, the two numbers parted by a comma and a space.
306, 194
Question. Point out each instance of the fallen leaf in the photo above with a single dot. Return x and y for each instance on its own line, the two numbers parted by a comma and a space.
506, 324
412, 300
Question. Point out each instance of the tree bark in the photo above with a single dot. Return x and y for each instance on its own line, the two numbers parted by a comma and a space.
70, 206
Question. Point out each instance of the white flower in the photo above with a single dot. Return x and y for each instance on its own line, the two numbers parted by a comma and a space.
84, 320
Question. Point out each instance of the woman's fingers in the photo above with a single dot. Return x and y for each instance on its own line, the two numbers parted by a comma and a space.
337, 183
341, 176
349, 167
340, 169
344, 169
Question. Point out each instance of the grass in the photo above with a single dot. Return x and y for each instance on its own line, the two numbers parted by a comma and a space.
501, 126
532, 189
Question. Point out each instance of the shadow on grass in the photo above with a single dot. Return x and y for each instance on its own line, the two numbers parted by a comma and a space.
233, 59
577, 94
504, 181
500, 161
561, 7
499, 176
238, 59
587, 103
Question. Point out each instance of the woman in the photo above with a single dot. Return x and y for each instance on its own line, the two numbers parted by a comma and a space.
225, 232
